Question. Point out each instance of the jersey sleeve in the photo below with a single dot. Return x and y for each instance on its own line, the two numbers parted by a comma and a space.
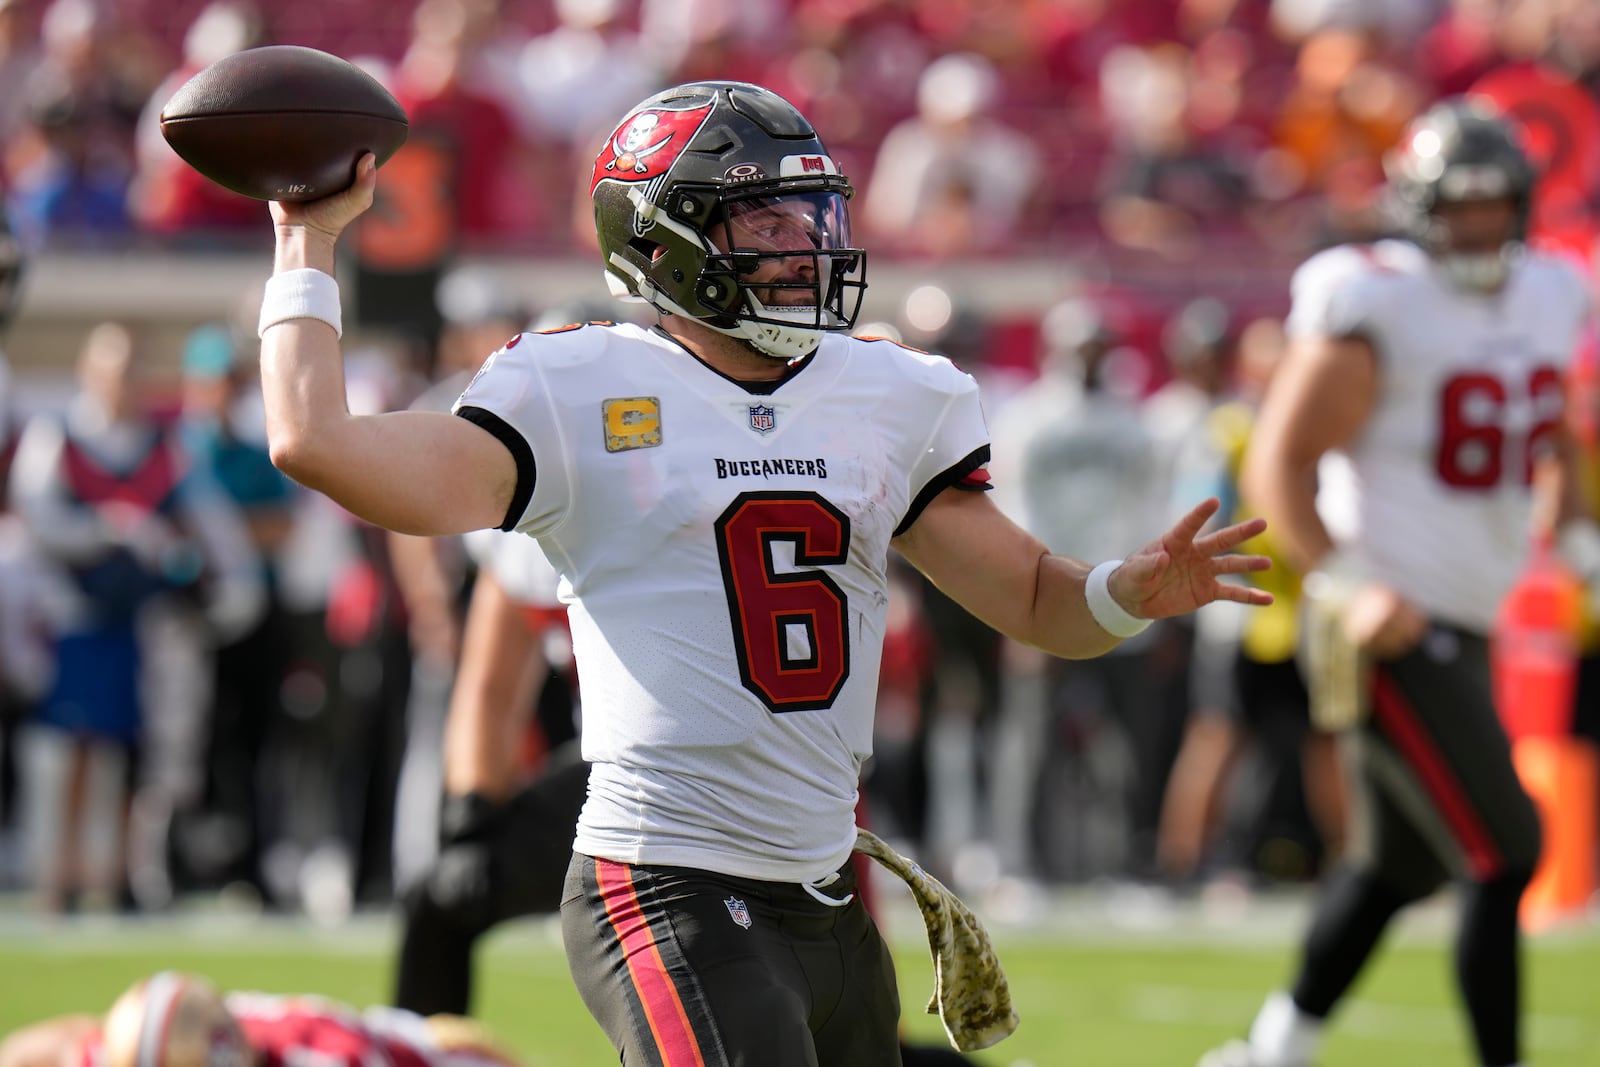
956, 454
1332, 295
509, 397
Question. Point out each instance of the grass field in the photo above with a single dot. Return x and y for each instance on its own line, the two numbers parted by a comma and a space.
1088, 994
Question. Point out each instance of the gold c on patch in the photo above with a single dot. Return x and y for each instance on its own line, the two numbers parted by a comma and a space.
632, 422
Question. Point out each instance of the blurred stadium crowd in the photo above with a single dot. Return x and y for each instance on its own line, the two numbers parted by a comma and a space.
210, 679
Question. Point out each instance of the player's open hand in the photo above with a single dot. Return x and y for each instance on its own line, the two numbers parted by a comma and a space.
1179, 572
327, 218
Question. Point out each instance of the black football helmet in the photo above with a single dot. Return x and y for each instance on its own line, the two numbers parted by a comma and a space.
690, 159
1456, 151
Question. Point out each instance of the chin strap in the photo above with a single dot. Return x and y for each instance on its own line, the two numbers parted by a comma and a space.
970, 993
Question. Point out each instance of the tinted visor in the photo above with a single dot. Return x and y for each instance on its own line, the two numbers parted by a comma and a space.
785, 259
796, 222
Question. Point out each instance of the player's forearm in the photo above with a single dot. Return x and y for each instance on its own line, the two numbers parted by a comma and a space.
1286, 494
501, 664
482, 734
1061, 623
303, 388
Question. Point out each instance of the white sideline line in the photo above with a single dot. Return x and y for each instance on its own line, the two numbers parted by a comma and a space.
1187, 1006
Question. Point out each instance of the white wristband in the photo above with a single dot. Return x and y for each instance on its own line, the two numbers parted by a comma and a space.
300, 294
1112, 617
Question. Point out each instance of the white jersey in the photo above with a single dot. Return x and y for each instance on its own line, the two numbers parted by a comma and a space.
723, 553
1435, 498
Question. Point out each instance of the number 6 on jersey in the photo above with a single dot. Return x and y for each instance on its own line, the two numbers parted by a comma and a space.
789, 629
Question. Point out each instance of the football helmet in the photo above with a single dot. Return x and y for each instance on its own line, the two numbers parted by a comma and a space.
1458, 151
717, 201
174, 1020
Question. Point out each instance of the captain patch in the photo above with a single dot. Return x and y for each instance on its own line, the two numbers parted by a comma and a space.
632, 422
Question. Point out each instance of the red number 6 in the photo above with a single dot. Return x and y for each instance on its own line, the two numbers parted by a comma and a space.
790, 629
1472, 437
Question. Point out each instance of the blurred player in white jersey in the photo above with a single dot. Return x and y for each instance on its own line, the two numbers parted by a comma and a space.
720, 494
505, 829
1431, 368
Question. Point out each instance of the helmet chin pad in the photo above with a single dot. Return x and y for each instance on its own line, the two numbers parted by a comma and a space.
1478, 271
781, 340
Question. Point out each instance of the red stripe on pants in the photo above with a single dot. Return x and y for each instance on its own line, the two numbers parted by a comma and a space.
1405, 728
663, 1008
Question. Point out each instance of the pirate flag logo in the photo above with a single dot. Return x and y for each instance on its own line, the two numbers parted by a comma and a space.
646, 144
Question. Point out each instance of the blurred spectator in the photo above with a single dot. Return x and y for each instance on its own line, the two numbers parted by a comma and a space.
11, 271
1248, 698
247, 672
168, 196
1396, 22
1461, 45
26, 666
24, 646
19, 55
943, 777
345, 692
591, 67
1077, 468
709, 39
1347, 106
433, 83
1197, 345
571, 83
853, 69
105, 494
458, 179
952, 180
433, 575
1164, 189
70, 165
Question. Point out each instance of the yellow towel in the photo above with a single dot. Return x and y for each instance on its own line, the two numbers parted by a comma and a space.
1337, 674
970, 994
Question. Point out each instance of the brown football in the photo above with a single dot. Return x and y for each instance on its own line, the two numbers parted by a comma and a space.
282, 122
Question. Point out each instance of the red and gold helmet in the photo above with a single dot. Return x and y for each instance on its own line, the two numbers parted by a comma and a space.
173, 1020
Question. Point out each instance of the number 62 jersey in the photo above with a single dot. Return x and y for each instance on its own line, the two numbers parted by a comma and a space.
1434, 494
723, 548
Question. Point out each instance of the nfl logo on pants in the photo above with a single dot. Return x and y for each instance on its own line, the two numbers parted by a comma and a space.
738, 911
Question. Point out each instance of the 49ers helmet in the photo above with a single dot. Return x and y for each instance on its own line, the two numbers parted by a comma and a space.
679, 167
174, 1020
1456, 150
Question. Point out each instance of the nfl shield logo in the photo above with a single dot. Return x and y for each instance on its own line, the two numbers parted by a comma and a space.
738, 911
762, 418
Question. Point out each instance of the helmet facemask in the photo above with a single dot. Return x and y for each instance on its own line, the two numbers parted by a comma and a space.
781, 270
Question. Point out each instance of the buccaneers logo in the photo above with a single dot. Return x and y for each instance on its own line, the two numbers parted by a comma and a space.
646, 144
